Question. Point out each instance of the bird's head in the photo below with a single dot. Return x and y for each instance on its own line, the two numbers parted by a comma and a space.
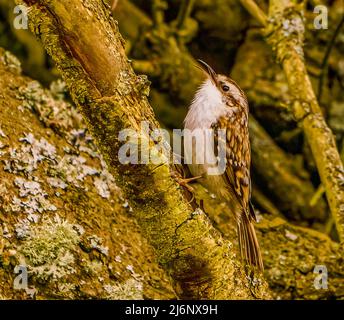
226, 86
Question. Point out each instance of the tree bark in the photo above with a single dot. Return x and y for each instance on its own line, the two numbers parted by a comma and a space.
291, 254
51, 174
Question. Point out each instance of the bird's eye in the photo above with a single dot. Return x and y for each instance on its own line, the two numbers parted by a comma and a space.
225, 88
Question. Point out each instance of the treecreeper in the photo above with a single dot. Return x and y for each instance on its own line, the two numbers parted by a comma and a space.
217, 120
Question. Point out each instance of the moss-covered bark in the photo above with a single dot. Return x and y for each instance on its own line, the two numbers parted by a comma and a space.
90, 55
61, 213
111, 258
290, 253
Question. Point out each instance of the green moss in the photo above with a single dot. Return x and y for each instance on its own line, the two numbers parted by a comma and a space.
48, 249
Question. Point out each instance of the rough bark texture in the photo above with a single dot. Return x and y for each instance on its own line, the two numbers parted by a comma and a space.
111, 97
52, 176
290, 253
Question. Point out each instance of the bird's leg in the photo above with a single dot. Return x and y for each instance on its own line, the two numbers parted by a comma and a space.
187, 180
179, 173
184, 182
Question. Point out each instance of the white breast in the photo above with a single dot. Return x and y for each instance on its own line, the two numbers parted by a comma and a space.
205, 110
206, 107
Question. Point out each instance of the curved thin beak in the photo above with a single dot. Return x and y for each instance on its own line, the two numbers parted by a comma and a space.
208, 70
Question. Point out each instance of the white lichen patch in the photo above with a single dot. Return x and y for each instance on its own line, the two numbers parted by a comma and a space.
57, 183
291, 26
48, 249
79, 229
32, 199
94, 267
8, 59
58, 89
97, 243
22, 228
30, 154
130, 290
72, 167
27, 188
49, 106
290, 235
102, 188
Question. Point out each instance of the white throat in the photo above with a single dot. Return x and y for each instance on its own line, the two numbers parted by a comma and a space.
206, 107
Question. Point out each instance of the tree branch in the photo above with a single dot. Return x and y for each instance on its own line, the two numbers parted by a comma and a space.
158, 8
255, 11
184, 12
286, 31
97, 209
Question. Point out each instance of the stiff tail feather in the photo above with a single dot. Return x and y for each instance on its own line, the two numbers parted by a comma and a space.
248, 243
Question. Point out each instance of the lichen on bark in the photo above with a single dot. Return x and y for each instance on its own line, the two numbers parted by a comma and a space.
61, 213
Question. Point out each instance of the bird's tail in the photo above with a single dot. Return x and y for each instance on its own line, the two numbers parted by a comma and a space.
248, 242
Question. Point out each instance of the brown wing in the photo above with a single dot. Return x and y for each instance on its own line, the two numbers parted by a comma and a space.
238, 156
237, 175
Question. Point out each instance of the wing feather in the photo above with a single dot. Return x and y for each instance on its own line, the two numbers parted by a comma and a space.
238, 157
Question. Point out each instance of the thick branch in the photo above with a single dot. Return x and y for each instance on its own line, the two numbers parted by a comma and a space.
80, 193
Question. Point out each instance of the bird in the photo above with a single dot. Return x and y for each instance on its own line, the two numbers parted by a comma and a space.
220, 104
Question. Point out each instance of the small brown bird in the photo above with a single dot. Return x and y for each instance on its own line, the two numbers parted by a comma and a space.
221, 104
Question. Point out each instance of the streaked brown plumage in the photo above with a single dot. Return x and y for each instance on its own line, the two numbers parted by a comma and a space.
221, 104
